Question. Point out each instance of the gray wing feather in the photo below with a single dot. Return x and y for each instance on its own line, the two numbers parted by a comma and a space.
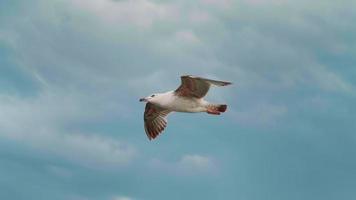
154, 120
192, 86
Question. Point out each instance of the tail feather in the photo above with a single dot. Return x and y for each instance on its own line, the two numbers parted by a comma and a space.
222, 108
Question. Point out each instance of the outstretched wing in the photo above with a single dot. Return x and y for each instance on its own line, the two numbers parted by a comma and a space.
155, 120
196, 86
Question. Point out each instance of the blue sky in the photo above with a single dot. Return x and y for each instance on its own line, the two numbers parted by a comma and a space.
72, 71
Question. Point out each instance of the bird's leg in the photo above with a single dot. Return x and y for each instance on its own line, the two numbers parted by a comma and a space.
213, 112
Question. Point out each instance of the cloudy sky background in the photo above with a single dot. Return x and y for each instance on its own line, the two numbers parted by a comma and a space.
72, 71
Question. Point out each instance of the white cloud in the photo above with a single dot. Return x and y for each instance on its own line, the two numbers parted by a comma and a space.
191, 164
122, 198
141, 13
195, 163
200, 16
187, 36
41, 122
218, 3
99, 44
330, 81
94, 151
263, 2
77, 197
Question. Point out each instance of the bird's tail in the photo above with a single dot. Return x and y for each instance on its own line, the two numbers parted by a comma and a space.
216, 109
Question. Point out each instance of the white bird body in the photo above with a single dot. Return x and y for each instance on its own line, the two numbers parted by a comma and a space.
173, 102
187, 98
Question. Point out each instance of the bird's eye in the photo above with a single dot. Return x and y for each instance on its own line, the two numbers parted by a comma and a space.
152, 95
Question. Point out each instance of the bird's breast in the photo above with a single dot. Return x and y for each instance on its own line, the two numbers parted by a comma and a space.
181, 104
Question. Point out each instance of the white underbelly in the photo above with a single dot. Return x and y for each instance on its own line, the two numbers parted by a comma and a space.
180, 104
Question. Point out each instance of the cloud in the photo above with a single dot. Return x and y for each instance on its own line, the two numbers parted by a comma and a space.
196, 163
90, 60
122, 198
190, 164
89, 44
219, 3
77, 197
59, 171
136, 47
199, 17
95, 151
108, 48
141, 13
264, 2
44, 122
330, 81
260, 115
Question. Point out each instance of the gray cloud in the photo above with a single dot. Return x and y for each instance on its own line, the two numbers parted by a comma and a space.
43, 121
136, 47
290, 108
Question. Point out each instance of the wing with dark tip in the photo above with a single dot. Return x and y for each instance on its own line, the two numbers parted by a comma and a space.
155, 120
198, 87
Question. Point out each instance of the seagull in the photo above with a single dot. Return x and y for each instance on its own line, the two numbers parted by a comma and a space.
188, 97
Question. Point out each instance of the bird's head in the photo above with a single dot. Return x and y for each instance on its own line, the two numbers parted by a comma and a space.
150, 98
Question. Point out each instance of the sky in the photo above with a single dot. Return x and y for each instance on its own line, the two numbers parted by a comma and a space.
72, 71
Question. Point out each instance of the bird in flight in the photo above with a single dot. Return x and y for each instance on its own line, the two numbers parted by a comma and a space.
188, 97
